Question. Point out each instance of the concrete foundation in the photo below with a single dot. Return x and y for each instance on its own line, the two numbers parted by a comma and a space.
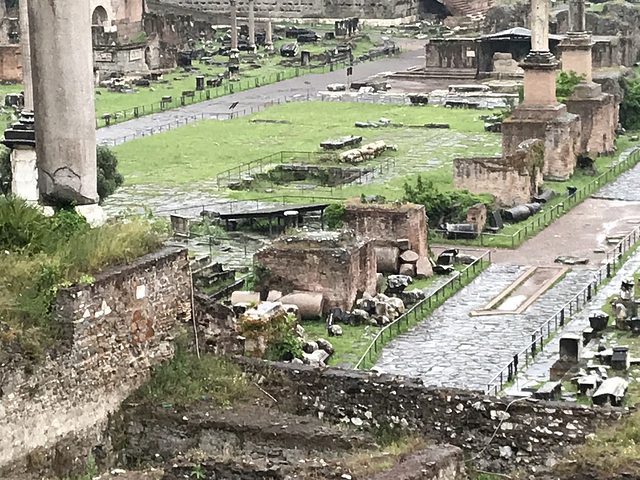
60, 35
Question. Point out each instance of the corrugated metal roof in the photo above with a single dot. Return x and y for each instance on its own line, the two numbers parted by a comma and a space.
517, 32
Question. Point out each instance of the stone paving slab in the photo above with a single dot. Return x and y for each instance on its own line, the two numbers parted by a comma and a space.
625, 187
539, 371
449, 348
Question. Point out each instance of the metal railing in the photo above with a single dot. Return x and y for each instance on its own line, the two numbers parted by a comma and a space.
420, 309
614, 260
226, 88
546, 216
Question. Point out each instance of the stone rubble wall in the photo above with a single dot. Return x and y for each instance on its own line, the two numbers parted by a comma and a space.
388, 224
337, 272
512, 180
113, 330
312, 9
440, 462
528, 433
599, 119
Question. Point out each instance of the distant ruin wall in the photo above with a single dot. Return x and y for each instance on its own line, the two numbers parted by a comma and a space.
281, 9
527, 432
10, 63
113, 330
512, 180
599, 119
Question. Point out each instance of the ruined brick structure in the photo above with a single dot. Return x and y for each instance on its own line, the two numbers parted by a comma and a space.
495, 430
337, 264
311, 9
512, 180
10, 63
559, 130
598, 117
112, 331
385, 224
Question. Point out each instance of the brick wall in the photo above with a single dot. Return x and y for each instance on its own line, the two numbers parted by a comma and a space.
337, 265
10, 63
385, 224
112, 331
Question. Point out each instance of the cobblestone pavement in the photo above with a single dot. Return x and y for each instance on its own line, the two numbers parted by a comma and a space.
256, 97
625, 187
451, 349
539, 371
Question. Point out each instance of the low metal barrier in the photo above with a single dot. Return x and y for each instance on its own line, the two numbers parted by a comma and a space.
420, 309
614, 260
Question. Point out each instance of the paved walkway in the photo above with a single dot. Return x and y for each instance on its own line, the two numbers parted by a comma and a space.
451, 349
539, 371
256, 97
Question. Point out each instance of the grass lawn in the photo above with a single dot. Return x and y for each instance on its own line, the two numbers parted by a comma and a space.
349, 347
201, 150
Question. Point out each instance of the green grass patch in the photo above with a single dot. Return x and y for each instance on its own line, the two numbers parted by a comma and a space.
349, 347
201, 150
186, 379
40, 254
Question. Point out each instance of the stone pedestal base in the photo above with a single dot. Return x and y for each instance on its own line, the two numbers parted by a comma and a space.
598, 116
558, 129
94, 214
24, 172
539, 78
576, 54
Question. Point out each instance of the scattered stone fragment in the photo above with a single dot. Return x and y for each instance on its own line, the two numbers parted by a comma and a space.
407, 269
309, 347
325, 345
409, 256
335, 330
397, 283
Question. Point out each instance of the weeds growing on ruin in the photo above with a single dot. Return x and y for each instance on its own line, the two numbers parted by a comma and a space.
38, 254
186, 379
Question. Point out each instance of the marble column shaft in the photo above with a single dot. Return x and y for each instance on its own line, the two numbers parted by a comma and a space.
540, 11
234, 25
25, 44
252, 24
62, 70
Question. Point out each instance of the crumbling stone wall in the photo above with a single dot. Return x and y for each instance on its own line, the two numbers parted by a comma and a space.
385, 224
392, 9
598, 119
527, 432
112, 331
338, 265
512, 180
451, 53
559, 130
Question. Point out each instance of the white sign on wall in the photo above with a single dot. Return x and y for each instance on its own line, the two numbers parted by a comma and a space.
135, 55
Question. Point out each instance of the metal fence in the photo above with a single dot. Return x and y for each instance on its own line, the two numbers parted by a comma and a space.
225, 89
420, 309
614, 260
542, 219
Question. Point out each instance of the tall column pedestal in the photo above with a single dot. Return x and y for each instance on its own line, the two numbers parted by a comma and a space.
541, 116
21, 139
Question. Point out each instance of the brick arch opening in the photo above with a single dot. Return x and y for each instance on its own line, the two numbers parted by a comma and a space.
100, 17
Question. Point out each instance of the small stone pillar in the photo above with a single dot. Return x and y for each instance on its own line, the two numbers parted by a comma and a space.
234, 53
199, 83
576, 48
305, 58
252, 26
20, 137
268, 39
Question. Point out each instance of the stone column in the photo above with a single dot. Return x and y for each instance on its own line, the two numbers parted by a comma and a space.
234, 53
540, 65
576, 48
234, 25
62, 67
20, 137
25, 44
252, 26
268, 39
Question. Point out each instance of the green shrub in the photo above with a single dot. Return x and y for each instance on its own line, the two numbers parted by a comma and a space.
283, 343
186, 378
447, 206
108, 177
333, 215
566, 84
630, 105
